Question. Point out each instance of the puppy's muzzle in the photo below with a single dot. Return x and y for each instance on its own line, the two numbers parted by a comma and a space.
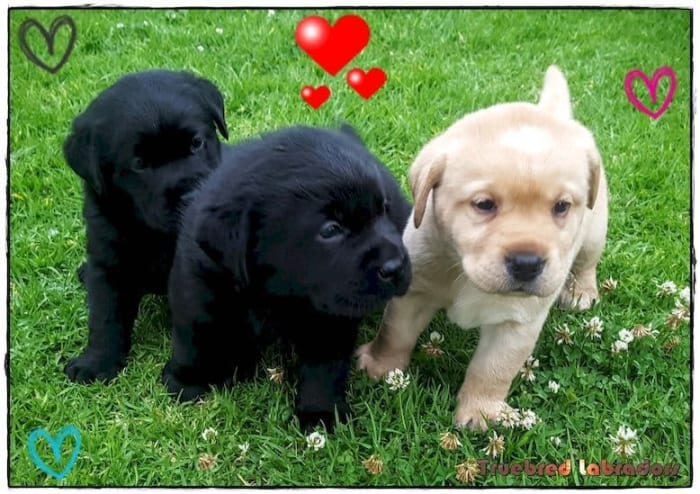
391, 266
524, 266
392, 270
395, 274
182, 191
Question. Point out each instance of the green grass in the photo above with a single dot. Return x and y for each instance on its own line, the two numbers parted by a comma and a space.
440, 65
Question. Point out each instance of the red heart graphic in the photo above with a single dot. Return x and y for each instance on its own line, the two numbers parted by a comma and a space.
651, 87
315, 97
332, 47
366, 84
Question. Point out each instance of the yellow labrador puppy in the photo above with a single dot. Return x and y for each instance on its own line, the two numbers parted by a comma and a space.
510, 214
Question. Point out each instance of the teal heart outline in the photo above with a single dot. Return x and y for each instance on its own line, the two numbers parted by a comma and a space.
68, 430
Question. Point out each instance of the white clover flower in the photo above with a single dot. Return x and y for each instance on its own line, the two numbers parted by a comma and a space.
666, 288
678, 315
397, 379
449, 440
468, 471
555, 441
315, 440
496, 445
563, 335
609, 285
672, 343
209, 434
433, 346
374, 464
206, 461
432, 350
270, 12
527, 374
53, 232
642, 331
275, 375
626, 434
120, 25
200, 48
219, 30
145, 23
626, 335
684, 295
436, 338
528, 419
681, 314
508, 417
528, 370
681, 310
553, 386
243, 448
624, 442
594, 327
619, 346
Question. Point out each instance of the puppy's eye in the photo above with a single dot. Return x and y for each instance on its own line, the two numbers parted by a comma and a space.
138, 164
485, 205
561, 208
196, 144
331, 229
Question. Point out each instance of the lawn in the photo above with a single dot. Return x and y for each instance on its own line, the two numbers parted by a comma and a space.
440, 64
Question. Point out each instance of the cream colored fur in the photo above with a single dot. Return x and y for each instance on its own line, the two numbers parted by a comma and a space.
525, 158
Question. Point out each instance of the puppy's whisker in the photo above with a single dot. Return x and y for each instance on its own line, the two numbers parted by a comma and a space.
461, 275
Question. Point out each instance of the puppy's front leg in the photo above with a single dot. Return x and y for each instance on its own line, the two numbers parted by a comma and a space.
500, 354
321, 392
112, 306
405, 318
324, 367
581, 289
211, 340
204, 355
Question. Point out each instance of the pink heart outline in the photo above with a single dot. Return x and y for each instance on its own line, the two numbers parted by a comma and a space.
651, 85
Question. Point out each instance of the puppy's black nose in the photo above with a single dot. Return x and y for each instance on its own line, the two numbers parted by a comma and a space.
391, 270
524, 266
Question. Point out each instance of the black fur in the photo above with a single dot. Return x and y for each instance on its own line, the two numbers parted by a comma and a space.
140, 147
251, 259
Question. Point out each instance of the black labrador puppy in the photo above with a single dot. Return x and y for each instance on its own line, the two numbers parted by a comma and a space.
298, 234
140, 147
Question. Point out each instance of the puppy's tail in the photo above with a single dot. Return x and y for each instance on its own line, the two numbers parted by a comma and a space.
555, 98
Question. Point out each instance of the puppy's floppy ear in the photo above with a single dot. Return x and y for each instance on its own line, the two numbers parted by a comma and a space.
350, 131
214, 103
81, 153
555, 98
223, 235
426, 172
595, 165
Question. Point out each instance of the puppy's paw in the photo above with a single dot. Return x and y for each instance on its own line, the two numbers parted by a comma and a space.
308, 419
476, 413
376, 367
180, 391
92, 366
577, 296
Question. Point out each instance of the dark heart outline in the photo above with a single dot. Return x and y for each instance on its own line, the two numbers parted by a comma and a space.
49, 37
